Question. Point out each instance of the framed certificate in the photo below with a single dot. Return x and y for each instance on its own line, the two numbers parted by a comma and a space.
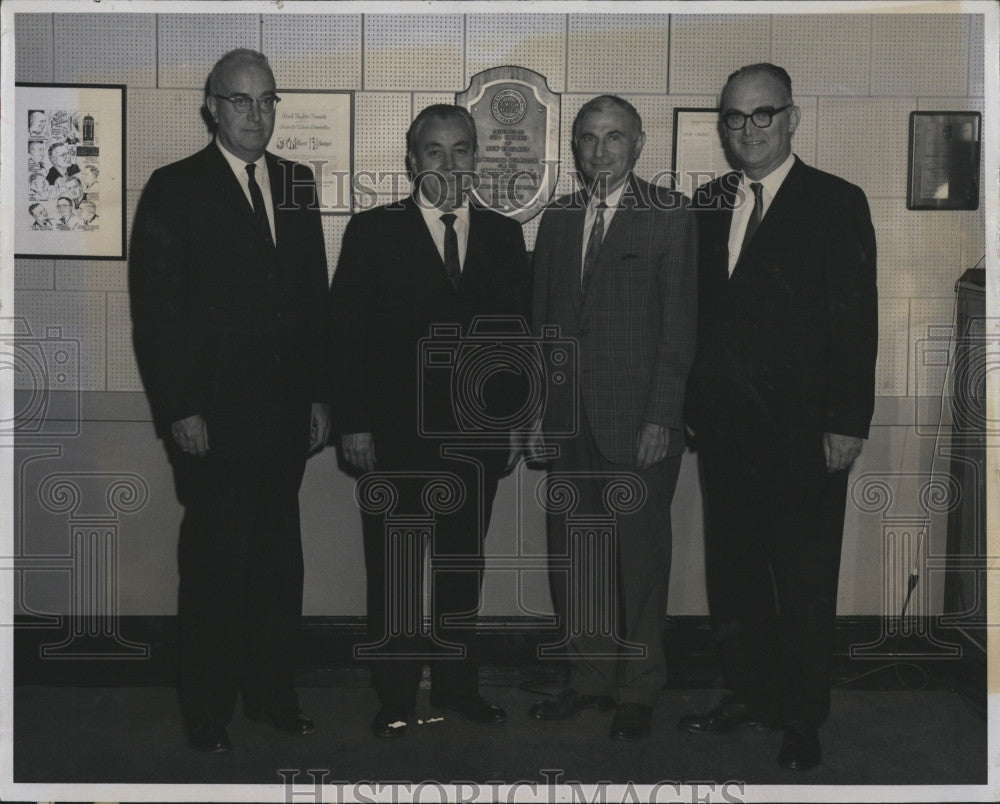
70, 171
943, 168
314, 127
698, 154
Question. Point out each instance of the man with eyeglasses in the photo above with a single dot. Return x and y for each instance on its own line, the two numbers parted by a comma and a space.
779, 400
228, 282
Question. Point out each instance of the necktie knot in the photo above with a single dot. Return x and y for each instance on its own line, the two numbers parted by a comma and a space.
251, 169
448, 219
758, 190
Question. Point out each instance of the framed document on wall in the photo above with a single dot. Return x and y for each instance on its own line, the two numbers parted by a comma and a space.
698, 155
315, 127
943, 169
70, 171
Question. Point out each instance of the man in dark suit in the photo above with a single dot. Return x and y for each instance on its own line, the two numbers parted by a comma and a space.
779, 401
427, 264
228, 281
615, 270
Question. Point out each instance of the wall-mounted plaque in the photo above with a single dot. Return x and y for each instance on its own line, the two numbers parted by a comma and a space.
943, 171
517, 125
314, 127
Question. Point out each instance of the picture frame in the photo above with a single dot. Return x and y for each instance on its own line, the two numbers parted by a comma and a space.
943, 164
315, 127
70, 172
698, 154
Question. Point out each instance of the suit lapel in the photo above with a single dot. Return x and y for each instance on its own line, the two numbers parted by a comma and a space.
230, 191
788, 198
574, 217
425, 252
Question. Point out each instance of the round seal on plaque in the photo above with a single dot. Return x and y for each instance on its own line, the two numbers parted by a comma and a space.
509, 106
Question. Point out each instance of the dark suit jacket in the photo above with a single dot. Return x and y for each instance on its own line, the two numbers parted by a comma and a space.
786, 346
389, 290
226, 325
635, 327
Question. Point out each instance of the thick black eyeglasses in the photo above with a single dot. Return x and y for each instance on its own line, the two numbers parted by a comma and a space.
761, 117
242, 103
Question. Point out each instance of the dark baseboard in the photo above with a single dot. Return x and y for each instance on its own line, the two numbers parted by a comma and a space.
868, 651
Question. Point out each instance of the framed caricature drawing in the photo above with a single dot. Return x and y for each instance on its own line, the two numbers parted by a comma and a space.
70, 171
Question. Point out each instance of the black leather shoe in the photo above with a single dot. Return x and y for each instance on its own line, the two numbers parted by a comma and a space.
208, 737
728, 715
386, 724
290, 722
632, 721
569, 703
473, 708
799, 746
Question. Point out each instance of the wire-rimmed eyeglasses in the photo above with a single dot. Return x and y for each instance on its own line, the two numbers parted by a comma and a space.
242, 103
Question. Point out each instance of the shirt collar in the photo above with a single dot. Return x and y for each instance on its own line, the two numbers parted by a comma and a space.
772, 181
433, 214
238, 165
611, 200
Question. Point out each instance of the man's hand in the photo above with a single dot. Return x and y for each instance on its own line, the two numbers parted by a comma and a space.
840, 451
359, 450
319, 428
651, 445
191, 435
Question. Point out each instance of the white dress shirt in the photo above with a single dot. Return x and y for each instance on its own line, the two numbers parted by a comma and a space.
611, 206
741, 215
239, 168
432, 217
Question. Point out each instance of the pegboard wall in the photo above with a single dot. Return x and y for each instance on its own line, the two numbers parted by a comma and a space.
856, 79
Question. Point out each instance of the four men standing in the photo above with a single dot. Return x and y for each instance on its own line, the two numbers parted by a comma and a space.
240, 358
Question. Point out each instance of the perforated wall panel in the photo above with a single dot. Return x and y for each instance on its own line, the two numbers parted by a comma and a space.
929, 318
314, 51
976, 53
81, 318
189, 44
570, 105
123, 373
534, 41
893, 326
872, 155
414, 51
530, 230
920, 54
706, 48
164, 125
105, 49
804, 139
657, 122
33, 275
380, 123
973, 237
618, 52
33, 47
825, 54
918, 252
333, 236
422, 100
92, 275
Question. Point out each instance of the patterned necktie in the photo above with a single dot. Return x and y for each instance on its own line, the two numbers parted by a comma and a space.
755, 214
451, 263
257, 197
593, 246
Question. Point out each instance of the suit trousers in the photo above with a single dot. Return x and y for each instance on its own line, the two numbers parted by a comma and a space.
611, 591
240, 596
774, 528
399, 643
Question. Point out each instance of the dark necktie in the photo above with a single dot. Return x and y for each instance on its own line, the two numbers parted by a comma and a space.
451, 263
593, 246
755, 214
257, 197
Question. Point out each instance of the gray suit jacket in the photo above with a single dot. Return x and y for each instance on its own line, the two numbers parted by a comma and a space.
634, 328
